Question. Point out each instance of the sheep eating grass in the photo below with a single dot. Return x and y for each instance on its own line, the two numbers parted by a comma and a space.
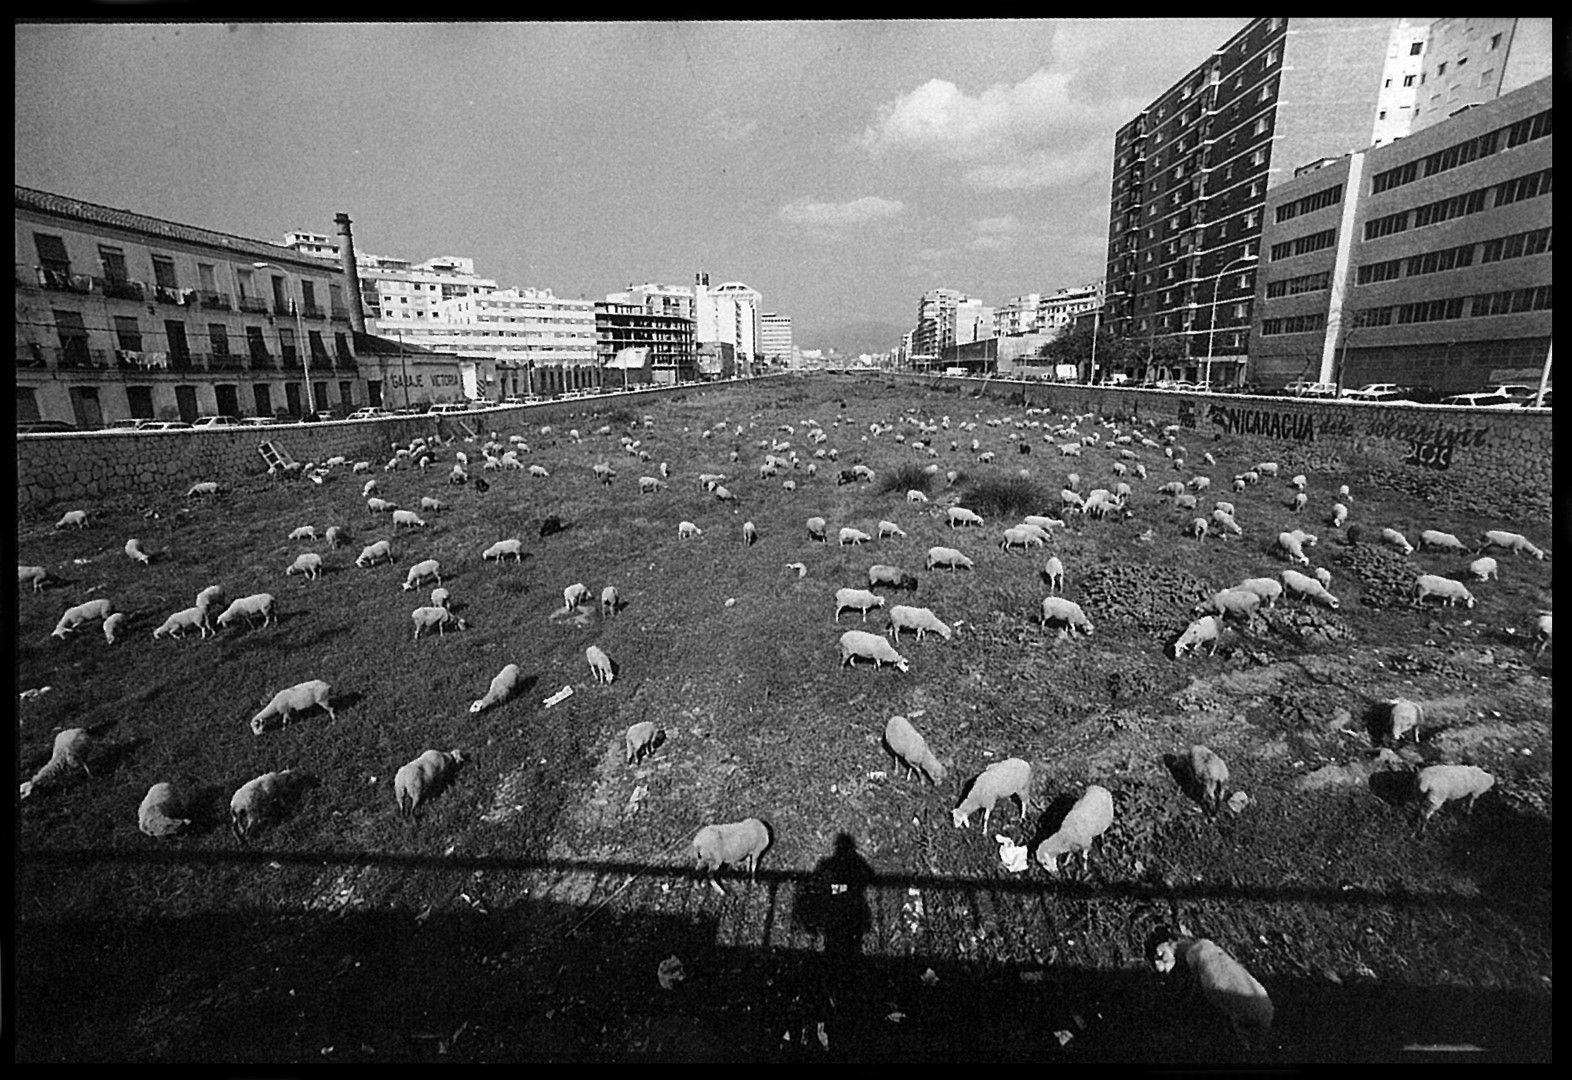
70, 750
1224, 982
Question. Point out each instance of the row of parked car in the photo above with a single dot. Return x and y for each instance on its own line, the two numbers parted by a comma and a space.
1502, 396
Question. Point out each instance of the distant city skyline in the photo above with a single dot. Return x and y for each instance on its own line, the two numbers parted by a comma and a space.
843, 171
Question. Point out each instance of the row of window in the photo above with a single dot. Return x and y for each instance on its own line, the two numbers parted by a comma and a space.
1318, 200
1294, 324
1510, 191
73, 334
1507, 302
1522, 131
1304, 245
1297, 285
1533, 242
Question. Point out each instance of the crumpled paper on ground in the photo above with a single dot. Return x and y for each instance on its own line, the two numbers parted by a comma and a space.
1013, 856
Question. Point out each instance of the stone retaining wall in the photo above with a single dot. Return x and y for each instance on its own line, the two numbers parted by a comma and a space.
100, 464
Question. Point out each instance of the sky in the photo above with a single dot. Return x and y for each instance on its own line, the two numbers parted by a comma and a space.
839, 168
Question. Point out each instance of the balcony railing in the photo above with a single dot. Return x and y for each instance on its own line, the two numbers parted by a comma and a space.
311, 311
120, 288
168, 294
281, 307
226, 362
254, 304
80, 357
61, 278
214, 301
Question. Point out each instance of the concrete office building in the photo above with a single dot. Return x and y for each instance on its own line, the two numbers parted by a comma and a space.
1470, 61
727, 314
775, 341
1424, 262
623, 321
124, 316
531, 340
1192, 170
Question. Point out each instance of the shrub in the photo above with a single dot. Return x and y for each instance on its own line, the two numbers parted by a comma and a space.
905, 478
1003, 496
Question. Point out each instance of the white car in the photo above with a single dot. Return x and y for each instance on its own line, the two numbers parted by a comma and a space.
448, 408
370, 412
216, 421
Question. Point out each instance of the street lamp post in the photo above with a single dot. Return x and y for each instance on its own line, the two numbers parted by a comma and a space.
1211, 329
300, 341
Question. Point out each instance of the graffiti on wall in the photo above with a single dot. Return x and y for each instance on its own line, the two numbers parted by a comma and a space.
1430, 446
1247, 420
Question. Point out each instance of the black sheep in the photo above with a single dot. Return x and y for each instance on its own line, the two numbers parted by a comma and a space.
550, 526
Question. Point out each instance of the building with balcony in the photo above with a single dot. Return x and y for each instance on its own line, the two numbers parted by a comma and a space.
1017, 316
396, 292
1058, 310
626, 321
936, 319
1423, 262
729, 314
1192, 170
120, 315
1470, 61
775, 343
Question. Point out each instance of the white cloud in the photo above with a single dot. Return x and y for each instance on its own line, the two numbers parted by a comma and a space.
828, 214
992, 243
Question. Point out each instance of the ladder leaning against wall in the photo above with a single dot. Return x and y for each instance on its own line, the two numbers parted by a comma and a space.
278, 461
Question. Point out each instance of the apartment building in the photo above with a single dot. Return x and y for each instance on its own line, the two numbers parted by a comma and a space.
728, 314
120, 315
1192, 170
628, 321
396, 292
775, 342
1424, 262
1017, 316
1398, 97
1059, 309
936, 321
1474, 60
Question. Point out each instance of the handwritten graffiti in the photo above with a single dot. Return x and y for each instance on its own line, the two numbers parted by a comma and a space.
1187, 414
1239, 420
1429, 455
1434, 434
1336, 424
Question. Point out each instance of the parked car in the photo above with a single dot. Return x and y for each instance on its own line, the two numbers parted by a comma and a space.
42, 427
1478, 399
1369, 390
448, 408
258, 421
1307, 388
369, 412
216, 422
165, 425
135, 424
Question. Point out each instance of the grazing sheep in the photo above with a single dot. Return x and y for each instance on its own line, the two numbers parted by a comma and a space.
135, 553
1339, 515
740, 841
502, 549
1323, 576
860, 599
32, 575
1002, 779
724, 494
1185, 502
1299, 503
112, 626
206, 487
1289, 545
640, 740
893, 576
262, 799
1054, 571
1173, 489
1442, 541
181, 621
503, 686
1069, 449
1224, 982
538, 472
334, 537
305, 532
436, 506
1393, 538
1202, 631
1403, 716
1199, 484
440, 617
947, 556
1309, 588
360, 467
1448, 590
915, 496
959, 515
608, 601
1225, 518
1541, 632
249, 607
603, 472
1209, 773
440, 597
1268, 589
371, 554
1088, 819
298, 698
159, 813
1047, 524
919, 619
1239, 484
600, 664
1298, 482
889, 528
380, 506
573, 595
1237, 601
1266, 468
421, 573
817, 528
213, 594
70, 749
1440, 784
1059, 610
308, 563
1073, 481
788, 485
849, 535
407, 517
911, 750
687, 530
648, 484
1516, 543
1019, 535
855, 643
1199, 527
1484, 568
424, 778
1070, 500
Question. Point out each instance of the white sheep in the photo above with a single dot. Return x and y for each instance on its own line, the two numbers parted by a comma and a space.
574, 595
889, 528
1236, 601
1268, 589
213, 594
380, 506
915, 496
334, 537
304, 532
600, 664
855, 643
1447, 589
1339, 515
1224, 982
687, 530
312, 693
82, 613
440, 597
1209, 773
1541, 632
159, 814
360, 467
1441, 541
32, 575
135, 553
1057, 609
1200, 527
1054, 571
1002, 779
1173, 488
409, 518
648, 484
1393, 538
503, 686
959, 516
1225, 519
308, 563
1088, 819
112, 626
421, 573
947, 556
1484, 568
1266, 468
260, 800
424, 778
1020, 536
1185, 502
603, 472
1202, 631
503, 548
737, 842
724, 494
1403, 716
425, 618
1290, 545
893, 576
911, 750
859, 599
1199, 484
1308, 587
817, 529
74, 518
1342, 493
1298, 482
371, 554
1440, 784
608, 601
1516, 543
640, 739
538, 472
1300, 501
1070, 500
70, 750
920, 619
206, 487
849, 535
181, 621
1323, 576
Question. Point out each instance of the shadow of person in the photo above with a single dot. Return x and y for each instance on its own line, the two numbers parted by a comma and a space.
833, 902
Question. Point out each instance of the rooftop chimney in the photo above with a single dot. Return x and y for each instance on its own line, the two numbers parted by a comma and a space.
346, 254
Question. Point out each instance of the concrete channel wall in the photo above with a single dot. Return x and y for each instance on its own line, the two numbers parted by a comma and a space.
100, 464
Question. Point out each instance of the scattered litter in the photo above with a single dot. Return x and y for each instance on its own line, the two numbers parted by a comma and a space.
824, 1040
561, 695
80, 562
896, 1017
1063, 1036
731, 601
670, 973
930, 977
1238, 801
634, 799
880, 774
35, 693
1013, 856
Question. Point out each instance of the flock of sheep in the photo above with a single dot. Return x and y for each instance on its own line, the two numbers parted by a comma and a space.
1120, 449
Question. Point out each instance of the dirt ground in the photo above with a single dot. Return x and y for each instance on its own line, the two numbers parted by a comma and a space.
546, 907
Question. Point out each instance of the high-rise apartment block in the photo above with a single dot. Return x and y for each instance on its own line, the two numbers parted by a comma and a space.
775, 341
936, 318
1469, 61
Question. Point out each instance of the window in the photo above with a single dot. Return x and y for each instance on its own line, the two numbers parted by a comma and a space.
1304, 244
1386, 226
1440, 69
1511, 302
280, 295
1380, 316
113, 260
206, 277
257, 344
1252, 219
1297, 285
1391, 178
1495, 41
341, 346
164, 272
1293, 324
1430, 310
1317, 201
1408, 80
1484, 76
1260, 126
1370, 273
1270, 58
246, 281
1381, 115
218, 337
52, 257
1257, 157
73, 336
1416, 48
1524, 187
1432, 262
128, 333
1534, 242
